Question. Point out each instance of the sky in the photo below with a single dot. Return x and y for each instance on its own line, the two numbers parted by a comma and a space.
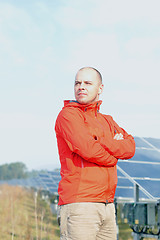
43, 43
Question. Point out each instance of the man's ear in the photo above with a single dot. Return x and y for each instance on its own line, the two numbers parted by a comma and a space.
100, 89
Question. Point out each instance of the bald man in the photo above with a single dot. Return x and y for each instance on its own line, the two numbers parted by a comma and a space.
90, 144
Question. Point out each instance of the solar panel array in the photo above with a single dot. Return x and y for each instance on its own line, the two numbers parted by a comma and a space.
28, 182
49, 181
143, 169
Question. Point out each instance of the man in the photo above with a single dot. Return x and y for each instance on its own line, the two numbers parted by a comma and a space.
89, 145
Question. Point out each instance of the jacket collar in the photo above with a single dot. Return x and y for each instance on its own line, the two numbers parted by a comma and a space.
85, 107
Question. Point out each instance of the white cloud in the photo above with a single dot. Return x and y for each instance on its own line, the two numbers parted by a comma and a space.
22, 121
70, 17
104, 52
28, 138
16, 28
26, 48
41, 7
101, 13
141, 124
98, 50
16, 18
143, 72
113, 12
143, 47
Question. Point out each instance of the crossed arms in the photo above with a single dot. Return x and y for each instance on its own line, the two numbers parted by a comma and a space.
70, 126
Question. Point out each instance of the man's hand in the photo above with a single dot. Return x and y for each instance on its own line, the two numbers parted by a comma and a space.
118, 136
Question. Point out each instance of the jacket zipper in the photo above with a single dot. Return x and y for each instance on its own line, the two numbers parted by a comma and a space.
82, 163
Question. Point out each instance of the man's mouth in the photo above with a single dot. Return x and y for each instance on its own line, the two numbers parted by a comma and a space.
82, 94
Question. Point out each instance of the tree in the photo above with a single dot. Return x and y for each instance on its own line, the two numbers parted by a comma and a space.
13, 171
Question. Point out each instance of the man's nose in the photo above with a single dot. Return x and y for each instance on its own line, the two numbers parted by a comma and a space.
82, 86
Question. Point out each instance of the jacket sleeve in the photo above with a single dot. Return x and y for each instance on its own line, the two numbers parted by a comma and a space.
122, 149
71, 127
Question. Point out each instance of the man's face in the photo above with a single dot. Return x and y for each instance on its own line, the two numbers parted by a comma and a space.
87, 86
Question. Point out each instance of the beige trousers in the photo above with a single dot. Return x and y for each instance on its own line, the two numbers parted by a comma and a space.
87, 221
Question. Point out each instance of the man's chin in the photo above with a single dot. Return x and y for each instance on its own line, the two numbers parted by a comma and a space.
82, 101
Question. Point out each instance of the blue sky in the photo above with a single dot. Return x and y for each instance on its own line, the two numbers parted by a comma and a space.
44, 43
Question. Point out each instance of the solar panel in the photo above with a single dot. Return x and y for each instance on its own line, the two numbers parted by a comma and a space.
143, 169
53, 190
140, 143
46, 180
50, 181
43, 175
155, 142
49, 185
150, 155
28, 182
124, 182
135, 169
153, 187
54, 174
124, 193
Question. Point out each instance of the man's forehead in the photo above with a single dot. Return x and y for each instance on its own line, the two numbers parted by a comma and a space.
87, 73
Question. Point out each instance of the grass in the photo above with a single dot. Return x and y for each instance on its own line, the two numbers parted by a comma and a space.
24, 216
125, 232
124, 229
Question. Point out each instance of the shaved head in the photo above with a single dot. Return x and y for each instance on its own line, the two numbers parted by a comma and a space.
92, 69
88, 85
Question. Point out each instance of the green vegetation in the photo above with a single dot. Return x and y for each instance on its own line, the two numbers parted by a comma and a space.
124, 229
17, 170
24, 215
13, 170
125, 232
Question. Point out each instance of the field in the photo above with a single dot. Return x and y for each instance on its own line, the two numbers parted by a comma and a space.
24, 215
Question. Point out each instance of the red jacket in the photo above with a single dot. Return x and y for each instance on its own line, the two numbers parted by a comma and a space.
88, 153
